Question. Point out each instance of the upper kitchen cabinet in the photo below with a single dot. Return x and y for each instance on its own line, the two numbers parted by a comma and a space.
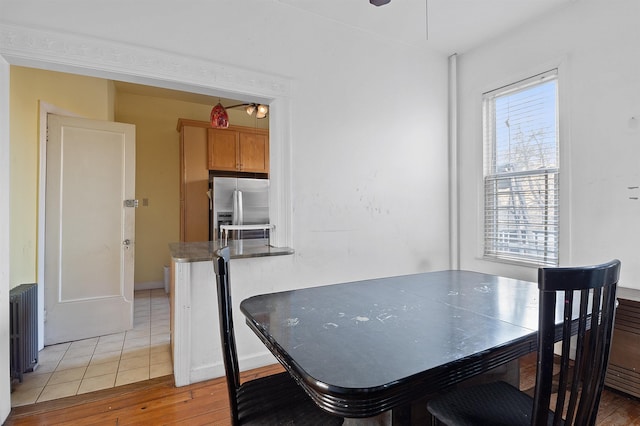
238, 149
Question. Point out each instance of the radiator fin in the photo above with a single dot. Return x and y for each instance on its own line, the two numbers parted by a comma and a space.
23, 330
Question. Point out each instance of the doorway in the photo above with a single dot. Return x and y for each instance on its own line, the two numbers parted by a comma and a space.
136, 98
168, 71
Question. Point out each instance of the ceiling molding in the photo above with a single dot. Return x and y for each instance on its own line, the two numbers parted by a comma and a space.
69, 52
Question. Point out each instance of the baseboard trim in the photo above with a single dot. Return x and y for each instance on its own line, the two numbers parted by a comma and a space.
216, 370
148, 285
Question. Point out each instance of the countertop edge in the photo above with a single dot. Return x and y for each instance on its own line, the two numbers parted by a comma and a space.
243, 249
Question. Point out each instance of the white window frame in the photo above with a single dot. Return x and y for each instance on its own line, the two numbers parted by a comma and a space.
506, 236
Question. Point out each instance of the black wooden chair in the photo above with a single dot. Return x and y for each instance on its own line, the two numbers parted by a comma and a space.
580, 382
270, 400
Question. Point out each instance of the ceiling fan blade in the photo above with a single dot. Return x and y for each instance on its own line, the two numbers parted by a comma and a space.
379, 2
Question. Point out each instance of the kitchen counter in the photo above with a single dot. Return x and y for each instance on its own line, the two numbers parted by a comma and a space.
195, 339
203, 251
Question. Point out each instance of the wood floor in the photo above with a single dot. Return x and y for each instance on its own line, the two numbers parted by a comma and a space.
157, 401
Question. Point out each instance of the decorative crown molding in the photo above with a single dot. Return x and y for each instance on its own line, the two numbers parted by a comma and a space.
29, 46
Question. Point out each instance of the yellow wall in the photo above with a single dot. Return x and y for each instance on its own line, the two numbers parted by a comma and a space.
157, 176
157, 160
158, 172
86, 96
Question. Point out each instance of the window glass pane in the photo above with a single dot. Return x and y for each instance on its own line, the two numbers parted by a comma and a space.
521, 218
521, 172
525, 129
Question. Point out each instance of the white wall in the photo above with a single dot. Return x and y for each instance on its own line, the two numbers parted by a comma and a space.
5, 399
367, 129
595, 44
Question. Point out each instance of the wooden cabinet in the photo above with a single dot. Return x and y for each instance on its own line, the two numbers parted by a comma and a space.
238, 149
223, 150
194, 181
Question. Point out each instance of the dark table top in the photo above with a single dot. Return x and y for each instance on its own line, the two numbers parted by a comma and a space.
364, 347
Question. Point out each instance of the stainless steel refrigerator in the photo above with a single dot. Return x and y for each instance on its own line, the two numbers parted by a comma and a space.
238, 201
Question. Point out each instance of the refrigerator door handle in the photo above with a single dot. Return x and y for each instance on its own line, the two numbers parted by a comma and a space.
238, 218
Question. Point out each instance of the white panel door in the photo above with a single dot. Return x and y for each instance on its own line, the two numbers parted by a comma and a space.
89, 232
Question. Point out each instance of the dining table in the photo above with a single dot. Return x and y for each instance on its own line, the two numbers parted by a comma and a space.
368, 347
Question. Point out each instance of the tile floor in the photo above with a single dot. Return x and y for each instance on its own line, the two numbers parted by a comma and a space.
107, 361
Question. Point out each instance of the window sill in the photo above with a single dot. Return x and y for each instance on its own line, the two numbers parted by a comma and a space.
520, 263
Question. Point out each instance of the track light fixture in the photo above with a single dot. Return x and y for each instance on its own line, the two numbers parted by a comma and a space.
260, 110
379, 2
220, 118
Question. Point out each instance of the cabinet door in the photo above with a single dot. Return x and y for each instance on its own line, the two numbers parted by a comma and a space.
254, 152
223, 150
194, 206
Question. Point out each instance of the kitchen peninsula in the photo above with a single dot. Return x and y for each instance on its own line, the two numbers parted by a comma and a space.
195, 338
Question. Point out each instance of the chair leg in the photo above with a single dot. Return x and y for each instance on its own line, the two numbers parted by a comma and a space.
401, 415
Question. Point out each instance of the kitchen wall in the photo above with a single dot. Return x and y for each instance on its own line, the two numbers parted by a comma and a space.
594, 44
157, 178
158, 172
86, 96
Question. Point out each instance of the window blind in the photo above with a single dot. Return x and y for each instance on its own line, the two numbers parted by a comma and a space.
521, 174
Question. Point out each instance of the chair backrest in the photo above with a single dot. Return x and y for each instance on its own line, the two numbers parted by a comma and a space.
227, 335
580, 385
